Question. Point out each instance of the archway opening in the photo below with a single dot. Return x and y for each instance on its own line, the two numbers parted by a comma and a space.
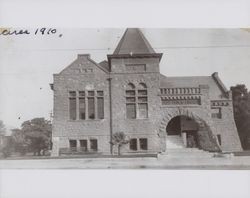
182, 131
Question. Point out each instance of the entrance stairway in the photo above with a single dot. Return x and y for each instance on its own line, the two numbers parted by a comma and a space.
174, 141
187, 153
175, 148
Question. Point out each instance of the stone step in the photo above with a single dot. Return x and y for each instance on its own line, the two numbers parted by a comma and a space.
186, 153
186, 150
174, 142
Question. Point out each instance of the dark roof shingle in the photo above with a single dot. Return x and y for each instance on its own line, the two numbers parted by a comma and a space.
133, 41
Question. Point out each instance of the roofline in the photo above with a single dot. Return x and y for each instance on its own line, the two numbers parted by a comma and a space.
88, 58
51, 86
91, 60
97, 65
145, 40
118, 48
151, 55
220, 83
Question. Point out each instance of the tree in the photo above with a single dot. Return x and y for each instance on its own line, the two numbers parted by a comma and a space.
37, 132
6, 147
20, 143
119, 139
2, 128
241, 106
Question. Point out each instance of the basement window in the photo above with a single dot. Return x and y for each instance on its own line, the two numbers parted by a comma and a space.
133, 144
93, 145
72, 145
143, 143
83, 145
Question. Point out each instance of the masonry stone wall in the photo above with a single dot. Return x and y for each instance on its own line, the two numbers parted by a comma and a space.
135, 128
86, 75
226, 127
81, 75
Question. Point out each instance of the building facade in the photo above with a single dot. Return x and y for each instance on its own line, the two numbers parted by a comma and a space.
93, 101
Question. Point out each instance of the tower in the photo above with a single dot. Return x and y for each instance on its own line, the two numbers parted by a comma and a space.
134, 70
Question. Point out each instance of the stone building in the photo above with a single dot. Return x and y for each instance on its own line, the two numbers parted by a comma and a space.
127, 93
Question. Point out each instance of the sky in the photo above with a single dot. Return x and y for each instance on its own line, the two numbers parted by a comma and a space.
28, 62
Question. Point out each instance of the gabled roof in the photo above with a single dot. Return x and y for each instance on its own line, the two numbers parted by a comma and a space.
78, 64
133, 42
104, 64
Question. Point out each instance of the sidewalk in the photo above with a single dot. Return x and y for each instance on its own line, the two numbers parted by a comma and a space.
241, 163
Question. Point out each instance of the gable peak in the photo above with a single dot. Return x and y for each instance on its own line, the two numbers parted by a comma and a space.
133, 42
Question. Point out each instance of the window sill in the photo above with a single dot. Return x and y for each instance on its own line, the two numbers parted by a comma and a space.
137, 118
87, 120
138, 151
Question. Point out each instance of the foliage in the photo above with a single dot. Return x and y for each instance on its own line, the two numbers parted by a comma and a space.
6, 146
2, 128
119, 139
21, 144
6, 151
37, 134
34, 136
241, 105
207, 141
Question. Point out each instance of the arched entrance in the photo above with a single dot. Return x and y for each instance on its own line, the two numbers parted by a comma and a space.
206, 139
182, 132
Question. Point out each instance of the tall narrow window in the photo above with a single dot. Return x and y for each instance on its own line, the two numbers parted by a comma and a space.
100, 105
91, 105
137, 101
131, 112
72, 105
131, 101
82, 109
142, 100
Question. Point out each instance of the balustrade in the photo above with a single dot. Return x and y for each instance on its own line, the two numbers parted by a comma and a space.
181, 91
181, 96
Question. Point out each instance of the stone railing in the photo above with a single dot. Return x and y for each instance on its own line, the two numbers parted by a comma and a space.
219, 103
181, 96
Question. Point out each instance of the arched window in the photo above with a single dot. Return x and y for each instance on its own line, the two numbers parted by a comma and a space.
142, 101
142, 86
136, 101
130, 86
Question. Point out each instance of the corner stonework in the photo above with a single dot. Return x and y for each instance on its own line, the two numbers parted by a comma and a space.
55, 148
